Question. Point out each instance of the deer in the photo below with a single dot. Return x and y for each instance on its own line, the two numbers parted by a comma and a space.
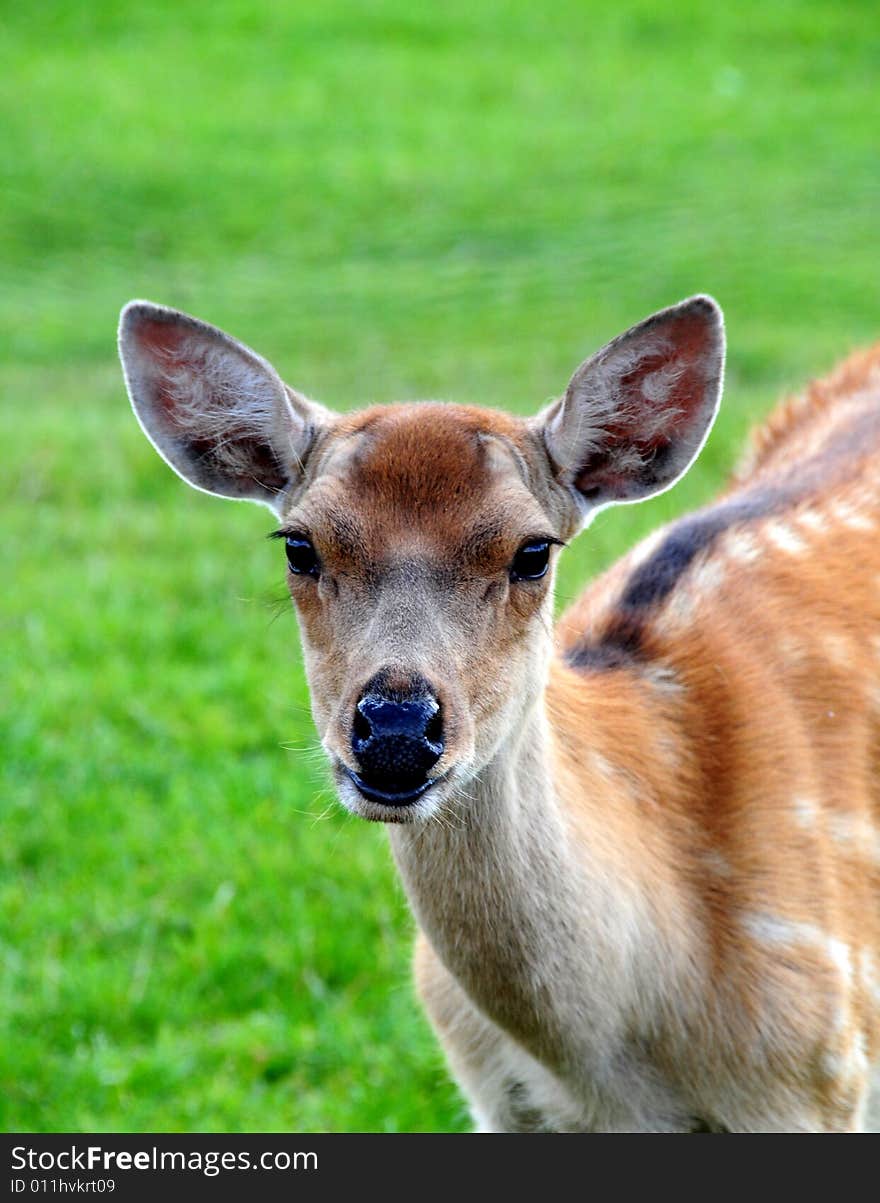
642, 847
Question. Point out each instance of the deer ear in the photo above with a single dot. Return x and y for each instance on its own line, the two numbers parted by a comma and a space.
636, 414
216, 411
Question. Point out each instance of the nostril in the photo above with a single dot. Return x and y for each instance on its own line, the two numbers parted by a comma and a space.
434, 729
361, 728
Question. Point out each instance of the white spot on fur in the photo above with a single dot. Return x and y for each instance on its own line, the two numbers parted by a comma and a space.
775, 930
717, 864
770, 929
602, 766
834, 1065
848, 1063
707, 575
806, 812
841, 957
837, 648
681, 606
784, 538
645, 549
678, 613
663, 679
856, 833
742, 547
868, 976
860, 1053
848, 515
812, 521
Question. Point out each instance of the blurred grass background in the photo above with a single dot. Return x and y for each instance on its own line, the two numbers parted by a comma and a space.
388, 200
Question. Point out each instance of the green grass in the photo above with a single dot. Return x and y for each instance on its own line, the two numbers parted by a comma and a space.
388, 200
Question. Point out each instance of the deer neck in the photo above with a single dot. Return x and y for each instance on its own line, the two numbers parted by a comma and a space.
533, 894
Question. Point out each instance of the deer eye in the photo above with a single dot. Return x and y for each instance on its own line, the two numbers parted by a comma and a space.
301, 556
530, 562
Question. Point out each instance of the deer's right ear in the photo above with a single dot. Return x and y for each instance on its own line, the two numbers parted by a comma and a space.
216, 411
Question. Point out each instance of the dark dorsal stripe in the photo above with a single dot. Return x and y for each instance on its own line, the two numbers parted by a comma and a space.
653, 581
841, 458
603, 655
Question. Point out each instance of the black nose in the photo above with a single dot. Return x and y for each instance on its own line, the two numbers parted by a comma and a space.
397, 737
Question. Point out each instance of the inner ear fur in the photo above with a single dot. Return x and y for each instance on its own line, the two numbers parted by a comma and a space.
635, 414
215, 410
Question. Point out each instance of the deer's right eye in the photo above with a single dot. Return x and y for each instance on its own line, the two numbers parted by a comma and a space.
302, 558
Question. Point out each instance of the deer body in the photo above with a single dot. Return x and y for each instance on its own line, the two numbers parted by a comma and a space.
644, 853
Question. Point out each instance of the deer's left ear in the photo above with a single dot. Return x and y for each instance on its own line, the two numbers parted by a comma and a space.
636, 413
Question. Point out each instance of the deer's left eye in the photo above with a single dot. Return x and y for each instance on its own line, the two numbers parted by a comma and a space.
531, 561
301, 556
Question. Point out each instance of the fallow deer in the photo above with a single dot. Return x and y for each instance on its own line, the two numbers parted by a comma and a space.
643, 851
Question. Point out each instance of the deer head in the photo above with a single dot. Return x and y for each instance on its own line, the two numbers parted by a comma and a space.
421, 538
